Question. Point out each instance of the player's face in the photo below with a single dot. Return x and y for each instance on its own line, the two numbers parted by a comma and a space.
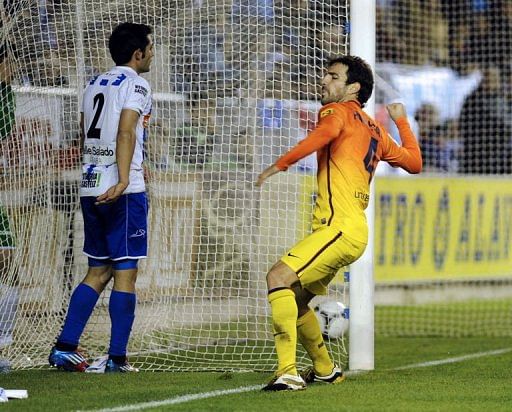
145, 62
334, 84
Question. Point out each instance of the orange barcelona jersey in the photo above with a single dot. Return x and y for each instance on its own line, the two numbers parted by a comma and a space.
349, 144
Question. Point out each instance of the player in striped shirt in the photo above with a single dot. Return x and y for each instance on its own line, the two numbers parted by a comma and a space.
115, 112
349, 144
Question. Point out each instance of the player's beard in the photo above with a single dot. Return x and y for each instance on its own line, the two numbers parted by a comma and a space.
329, 99
334, 98
325, 100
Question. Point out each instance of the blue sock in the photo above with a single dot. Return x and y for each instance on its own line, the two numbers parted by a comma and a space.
122, 313
81, 305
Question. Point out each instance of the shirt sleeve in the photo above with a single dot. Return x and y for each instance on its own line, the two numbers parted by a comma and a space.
138, 95
329, 127
407, 156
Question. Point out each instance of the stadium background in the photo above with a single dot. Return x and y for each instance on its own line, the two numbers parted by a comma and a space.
235, 85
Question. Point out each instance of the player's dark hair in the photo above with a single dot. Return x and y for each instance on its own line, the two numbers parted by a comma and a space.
358, 72
126, 39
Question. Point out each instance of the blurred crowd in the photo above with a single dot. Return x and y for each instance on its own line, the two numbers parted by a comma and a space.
277, 49
467, 36
461, 34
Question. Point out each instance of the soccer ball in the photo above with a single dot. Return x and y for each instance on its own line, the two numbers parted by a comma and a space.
331, 317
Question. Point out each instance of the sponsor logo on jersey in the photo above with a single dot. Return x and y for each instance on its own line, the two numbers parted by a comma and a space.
98, 151
99, 154
140, 89
90, 180
362, 195
326, 112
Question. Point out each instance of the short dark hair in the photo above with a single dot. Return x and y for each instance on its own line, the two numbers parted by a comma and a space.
126, 39
358, 71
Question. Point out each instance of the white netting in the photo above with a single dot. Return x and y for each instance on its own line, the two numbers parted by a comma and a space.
235, 83
443, 252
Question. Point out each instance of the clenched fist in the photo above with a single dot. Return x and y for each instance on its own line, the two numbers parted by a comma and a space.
396, 111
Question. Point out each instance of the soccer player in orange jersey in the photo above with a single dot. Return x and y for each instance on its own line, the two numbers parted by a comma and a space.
349, 144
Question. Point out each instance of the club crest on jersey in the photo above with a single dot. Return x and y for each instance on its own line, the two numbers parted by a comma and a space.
326, 112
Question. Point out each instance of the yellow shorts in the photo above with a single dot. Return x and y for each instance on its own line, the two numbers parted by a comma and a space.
318, 257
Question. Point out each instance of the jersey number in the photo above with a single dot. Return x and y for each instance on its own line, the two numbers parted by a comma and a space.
371, 158
93, 132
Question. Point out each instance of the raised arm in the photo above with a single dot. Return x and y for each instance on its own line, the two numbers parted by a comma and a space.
408, 155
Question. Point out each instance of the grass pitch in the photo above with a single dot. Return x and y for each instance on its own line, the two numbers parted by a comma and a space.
472, 384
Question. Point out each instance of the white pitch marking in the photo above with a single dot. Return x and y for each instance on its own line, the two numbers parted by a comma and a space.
180, 399
454, 359
242, 389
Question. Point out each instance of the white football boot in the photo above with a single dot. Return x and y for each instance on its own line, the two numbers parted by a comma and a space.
286, 382
336, 376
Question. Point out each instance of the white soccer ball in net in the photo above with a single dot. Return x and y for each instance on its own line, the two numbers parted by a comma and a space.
331, 317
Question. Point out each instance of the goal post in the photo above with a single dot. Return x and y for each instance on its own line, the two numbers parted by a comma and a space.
362, 330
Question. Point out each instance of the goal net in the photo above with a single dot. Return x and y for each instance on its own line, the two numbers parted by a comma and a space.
442, 239
235, 85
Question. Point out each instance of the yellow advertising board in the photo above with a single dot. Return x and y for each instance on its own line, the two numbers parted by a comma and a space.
429, 228
442, 228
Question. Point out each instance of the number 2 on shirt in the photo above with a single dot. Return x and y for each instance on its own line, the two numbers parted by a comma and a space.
98, 101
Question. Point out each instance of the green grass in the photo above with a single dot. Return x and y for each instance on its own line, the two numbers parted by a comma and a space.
471, 385
469, 318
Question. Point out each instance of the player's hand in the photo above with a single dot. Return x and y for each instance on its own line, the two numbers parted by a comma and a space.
396, 111
148, 173
269, 171
112, 194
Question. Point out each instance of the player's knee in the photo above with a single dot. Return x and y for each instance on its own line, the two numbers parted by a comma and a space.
273, 277
98, 275
125, 275
280, 276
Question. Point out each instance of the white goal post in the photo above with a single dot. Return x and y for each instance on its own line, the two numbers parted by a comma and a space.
362, 330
